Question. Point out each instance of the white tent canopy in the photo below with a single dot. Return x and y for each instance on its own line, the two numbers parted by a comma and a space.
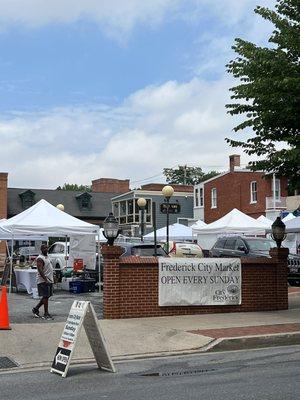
198, 224
45, 219
268, 222
234, 222
6, 235
288, 217
176, 232
293, 225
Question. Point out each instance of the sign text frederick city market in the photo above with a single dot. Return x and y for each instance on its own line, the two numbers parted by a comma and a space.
206, 281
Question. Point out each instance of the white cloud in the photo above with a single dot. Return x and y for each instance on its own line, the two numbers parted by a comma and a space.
115, 17
157, 127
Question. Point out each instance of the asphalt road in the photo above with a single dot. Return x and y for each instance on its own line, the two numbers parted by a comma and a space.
263, 374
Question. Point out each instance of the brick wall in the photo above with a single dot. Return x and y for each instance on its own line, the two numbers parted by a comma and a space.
131, 287
157, 187
108, 185
233, 191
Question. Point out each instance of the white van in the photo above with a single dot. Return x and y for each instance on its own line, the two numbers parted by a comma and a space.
58, 257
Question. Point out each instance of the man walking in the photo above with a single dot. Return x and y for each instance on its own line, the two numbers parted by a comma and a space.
44, 279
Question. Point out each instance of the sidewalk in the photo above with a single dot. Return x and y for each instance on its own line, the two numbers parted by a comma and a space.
33, 345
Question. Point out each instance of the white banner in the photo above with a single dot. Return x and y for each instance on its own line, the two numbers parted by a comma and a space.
83, 247
199, 281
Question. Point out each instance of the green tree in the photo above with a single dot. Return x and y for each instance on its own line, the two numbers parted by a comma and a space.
187, 175
75, 187
269, 95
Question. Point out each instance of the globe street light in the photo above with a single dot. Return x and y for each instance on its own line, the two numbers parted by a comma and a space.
110, 229
168, 192
142, 204
278, 231
60, 207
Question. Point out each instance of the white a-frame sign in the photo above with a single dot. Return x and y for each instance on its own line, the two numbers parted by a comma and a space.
81, 312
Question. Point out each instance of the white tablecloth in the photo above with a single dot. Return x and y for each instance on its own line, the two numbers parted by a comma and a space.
26, 278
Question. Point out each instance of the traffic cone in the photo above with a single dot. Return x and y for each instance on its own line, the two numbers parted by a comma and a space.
4, 318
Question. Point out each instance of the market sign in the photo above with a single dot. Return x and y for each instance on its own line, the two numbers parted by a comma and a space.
81, 313
199, 281
174, 208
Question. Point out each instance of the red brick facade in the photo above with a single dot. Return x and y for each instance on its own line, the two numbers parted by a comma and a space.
3, 206
157, 187
233, 191
131, 287
108, 185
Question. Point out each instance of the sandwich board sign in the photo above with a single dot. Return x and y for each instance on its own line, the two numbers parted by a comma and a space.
81, 313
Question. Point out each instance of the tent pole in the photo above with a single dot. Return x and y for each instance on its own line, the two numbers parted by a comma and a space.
66, 251
11, 262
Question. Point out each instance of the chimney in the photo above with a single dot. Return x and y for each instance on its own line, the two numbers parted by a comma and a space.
234, 161
109, 185
3, 194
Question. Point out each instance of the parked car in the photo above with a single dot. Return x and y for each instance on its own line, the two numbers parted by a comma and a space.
240, 246
184, 249
142, 249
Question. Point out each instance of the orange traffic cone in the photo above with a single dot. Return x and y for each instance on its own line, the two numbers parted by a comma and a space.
4, 318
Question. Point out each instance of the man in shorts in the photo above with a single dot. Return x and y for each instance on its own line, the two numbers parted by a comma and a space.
44, 279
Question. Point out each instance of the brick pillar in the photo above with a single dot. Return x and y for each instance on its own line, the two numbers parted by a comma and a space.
111, 281
280, 257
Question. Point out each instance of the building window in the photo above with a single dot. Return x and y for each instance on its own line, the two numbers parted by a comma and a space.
27, 199
213, 198
128, 212
253, 192
196, 197
84, 201
201, 197
277, 189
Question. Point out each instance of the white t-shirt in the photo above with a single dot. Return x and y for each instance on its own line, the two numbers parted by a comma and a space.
47, 270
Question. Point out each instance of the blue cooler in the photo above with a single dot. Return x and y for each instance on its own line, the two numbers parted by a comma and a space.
76, 287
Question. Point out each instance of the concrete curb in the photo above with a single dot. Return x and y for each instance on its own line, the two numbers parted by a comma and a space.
216, 345
254, 342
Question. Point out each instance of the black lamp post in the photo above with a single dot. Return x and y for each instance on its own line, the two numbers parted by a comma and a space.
278, 232
111, 229
142, 204
168, 192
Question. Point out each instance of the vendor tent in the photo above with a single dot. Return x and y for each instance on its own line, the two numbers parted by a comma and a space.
6, 235
235, 222
293, 225
198, 224
268, 222
176, 232
288, 217
45, 219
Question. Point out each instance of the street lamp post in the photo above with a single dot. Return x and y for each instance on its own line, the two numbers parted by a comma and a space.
168, 192
110, 229
142, 204
278, 232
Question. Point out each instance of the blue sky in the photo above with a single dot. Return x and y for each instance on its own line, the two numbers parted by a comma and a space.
117, 88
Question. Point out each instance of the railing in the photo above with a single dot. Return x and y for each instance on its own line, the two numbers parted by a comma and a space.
279, 203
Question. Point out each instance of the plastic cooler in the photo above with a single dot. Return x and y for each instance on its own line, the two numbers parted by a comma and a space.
76, 286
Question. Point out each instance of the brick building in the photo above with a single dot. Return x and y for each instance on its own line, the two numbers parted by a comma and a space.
253, 193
